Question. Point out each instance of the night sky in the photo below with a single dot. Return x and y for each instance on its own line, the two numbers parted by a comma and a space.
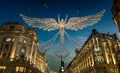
10, 10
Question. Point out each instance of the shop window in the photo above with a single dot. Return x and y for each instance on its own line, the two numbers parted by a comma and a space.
2, 69
20, 69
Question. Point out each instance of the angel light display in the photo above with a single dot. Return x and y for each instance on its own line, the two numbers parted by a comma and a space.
74, 23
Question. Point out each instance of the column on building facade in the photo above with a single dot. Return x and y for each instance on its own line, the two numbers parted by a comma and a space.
13, 50
113, 53
35, 52
104, 47
114, 60
89, 62
92, 59
31, 53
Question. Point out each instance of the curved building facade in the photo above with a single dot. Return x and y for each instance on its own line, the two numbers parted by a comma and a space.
18, 50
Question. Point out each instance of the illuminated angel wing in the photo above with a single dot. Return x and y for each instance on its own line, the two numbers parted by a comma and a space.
76, 23
42, 23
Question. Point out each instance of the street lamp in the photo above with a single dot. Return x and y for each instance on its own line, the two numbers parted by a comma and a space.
62, 66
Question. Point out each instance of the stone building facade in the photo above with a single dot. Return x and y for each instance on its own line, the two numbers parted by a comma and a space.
19, 50
99, 54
